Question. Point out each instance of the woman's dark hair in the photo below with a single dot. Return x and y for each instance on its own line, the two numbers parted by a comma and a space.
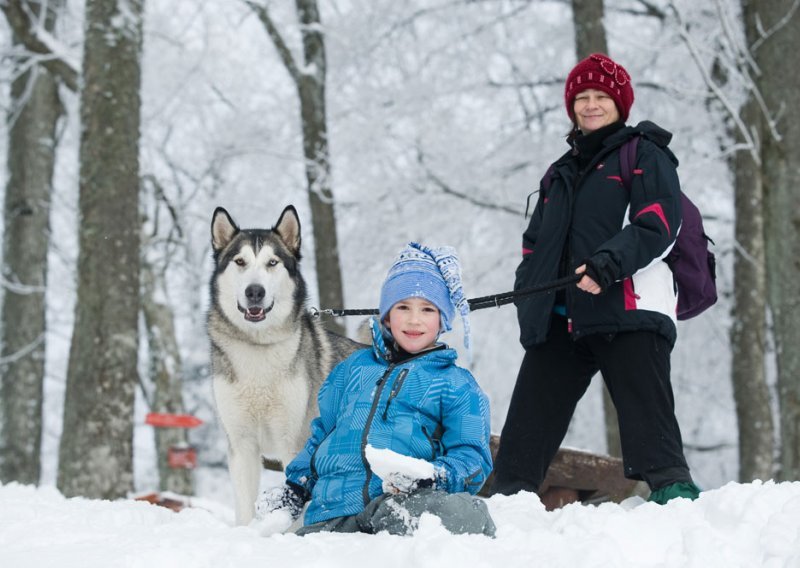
573, 133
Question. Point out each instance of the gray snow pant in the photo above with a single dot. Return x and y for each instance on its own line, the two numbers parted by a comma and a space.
461, 513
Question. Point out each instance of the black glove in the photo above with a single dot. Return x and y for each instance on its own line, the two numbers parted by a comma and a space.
400, 483
290, 498
602, 269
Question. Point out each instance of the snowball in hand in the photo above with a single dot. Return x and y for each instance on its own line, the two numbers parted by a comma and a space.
386, 462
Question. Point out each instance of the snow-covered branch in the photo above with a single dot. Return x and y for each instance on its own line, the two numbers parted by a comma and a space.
24, 352
447, 189
281, 46
765, 34
719, 94
52, 54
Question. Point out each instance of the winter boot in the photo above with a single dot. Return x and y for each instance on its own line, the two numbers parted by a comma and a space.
685, 489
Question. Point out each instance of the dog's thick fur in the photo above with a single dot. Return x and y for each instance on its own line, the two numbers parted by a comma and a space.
269, 356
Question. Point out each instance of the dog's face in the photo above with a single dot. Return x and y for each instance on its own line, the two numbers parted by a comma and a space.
256, 282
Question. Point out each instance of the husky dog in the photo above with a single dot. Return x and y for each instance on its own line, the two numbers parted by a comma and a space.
269, 356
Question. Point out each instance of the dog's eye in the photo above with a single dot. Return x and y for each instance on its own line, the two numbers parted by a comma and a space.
272, 262
239, 261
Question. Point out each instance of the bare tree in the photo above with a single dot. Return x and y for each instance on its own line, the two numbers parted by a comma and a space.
746, 127
748, 331
166, 373
309, 78
748, 342
160, 241
774, 33
32, 141
96, 457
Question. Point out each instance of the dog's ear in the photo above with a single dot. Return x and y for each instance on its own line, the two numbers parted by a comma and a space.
288, 227
223, 229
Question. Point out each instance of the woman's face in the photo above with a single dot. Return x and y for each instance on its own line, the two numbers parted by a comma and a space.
594, 109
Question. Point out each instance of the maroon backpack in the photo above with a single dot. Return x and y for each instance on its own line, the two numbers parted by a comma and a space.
693, 265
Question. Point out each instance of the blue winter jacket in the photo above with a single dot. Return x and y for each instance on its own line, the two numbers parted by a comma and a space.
425, 407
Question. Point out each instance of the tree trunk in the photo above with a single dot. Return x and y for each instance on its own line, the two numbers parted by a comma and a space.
317, 156
590, 37
32, 120
167, 373
751, 393
590, 33
748, 343
778, 27
96, 457
310, 82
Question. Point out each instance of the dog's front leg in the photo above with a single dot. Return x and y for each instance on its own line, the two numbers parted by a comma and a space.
244, 464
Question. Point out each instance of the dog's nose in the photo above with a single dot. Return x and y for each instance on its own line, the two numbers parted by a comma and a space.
254, 293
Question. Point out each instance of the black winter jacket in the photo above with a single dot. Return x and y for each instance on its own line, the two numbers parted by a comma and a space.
590, 216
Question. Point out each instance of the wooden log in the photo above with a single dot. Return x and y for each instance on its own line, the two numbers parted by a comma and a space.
176, 504
557, 497
576, 475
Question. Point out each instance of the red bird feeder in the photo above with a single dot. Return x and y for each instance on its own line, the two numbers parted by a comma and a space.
165, 420
182, 457
179, 456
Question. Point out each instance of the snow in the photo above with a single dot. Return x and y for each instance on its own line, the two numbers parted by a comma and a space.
406, 82
737, 525
399, 473
384, 463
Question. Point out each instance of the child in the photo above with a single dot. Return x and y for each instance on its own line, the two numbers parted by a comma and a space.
406, 398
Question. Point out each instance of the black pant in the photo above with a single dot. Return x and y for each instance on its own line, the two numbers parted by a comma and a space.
554, 376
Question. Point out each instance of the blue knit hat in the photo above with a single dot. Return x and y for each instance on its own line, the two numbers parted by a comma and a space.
433, 274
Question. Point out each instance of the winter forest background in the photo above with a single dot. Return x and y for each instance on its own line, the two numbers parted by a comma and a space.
440, 116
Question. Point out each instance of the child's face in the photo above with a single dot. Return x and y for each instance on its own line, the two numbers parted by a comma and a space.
414, 323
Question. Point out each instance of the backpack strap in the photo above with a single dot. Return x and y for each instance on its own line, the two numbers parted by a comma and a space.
544, 184
627, 161
548, 177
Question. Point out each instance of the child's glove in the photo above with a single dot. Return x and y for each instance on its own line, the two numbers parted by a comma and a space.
289, 497
396, 482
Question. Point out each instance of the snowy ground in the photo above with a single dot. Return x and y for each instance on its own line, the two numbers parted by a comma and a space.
748, 525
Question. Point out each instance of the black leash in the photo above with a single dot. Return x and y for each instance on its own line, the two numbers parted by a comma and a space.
498, 300
495, 300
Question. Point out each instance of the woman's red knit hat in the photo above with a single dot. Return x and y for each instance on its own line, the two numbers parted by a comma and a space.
599, 71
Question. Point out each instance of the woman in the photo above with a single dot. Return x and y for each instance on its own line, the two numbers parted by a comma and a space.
620, 317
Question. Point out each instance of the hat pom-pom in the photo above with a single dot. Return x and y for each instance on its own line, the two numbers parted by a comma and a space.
446, 259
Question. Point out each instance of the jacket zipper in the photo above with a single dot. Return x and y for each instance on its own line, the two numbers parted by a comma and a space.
581, 176
568, 250
398, 384
376, 399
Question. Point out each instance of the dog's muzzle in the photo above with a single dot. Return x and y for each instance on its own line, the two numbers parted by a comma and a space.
255, 311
